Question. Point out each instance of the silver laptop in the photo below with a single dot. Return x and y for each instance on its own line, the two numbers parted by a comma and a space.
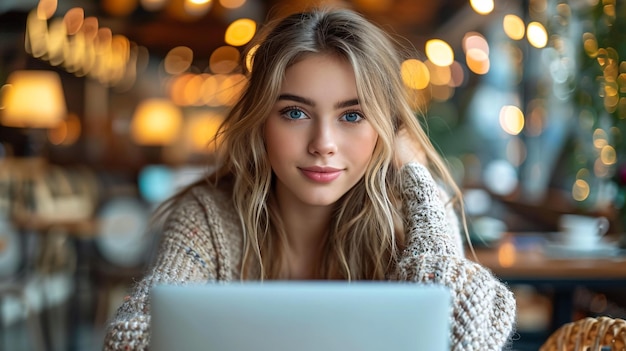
300, 316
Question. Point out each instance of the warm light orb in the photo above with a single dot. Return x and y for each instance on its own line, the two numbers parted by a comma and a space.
224, 59
513, 27
415, 74
580, 190
197, 8
193, 90
250, 57
475, 40
73, 20
156, 122
590, 44
178, 60
57, 42
240, 32
482, 7
537, 35
511, 119
477, 61
46, 9
600, 138
232, 4
90, 28
176, 88
35, 42
507, 254
608, 156
439, 52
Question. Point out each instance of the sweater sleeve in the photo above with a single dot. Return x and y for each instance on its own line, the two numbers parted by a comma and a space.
186, 254
483, 308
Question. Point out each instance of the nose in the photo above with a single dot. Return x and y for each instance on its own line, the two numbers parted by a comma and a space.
323, 139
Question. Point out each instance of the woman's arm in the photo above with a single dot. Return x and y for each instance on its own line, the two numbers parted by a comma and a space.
483, 308
186, 254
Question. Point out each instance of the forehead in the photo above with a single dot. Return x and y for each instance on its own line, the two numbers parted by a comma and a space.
321, 72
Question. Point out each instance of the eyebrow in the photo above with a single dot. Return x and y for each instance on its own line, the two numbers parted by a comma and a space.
309, 102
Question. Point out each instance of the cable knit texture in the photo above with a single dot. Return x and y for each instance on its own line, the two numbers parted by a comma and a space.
202, 242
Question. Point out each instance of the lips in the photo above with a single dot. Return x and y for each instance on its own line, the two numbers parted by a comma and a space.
321, 174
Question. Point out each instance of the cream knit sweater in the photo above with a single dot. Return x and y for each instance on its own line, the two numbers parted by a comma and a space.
202, 242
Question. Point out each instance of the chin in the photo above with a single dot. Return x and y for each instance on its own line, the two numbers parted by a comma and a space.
320, 200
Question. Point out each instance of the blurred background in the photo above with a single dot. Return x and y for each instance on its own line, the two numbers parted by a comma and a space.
107, 106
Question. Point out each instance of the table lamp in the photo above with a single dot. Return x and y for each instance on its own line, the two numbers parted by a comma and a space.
32, 99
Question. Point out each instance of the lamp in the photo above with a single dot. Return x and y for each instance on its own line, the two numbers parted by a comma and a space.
156, 122
32, 99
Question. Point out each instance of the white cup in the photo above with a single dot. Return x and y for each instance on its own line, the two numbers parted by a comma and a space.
581, 231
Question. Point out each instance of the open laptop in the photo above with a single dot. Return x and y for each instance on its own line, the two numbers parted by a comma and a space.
300, 316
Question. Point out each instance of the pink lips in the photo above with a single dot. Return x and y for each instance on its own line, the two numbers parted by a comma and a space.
321, 174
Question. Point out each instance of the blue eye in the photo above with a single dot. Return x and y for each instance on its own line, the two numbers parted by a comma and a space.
354, 117
294, 114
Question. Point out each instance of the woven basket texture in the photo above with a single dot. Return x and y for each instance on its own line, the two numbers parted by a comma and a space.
589, 334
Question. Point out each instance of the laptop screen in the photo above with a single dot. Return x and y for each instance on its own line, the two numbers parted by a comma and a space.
304, 316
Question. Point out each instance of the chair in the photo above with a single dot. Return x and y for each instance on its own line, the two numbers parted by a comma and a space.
588, 334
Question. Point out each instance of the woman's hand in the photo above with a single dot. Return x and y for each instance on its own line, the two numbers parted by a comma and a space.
408, 149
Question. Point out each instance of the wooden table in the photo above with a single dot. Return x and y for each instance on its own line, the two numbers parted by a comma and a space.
526, 258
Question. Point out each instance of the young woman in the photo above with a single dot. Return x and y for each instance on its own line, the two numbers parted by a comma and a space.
326, 174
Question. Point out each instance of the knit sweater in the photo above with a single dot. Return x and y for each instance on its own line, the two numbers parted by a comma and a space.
202, 242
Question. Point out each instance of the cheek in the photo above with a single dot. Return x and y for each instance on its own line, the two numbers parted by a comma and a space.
278, 143
367, 144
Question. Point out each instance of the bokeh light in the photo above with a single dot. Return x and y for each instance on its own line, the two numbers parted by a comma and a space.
415, 74
513, 27
511, 119
224, 59
482, 7
439, 52
537, 35
232, 4
178, 60
240, 32
580, 190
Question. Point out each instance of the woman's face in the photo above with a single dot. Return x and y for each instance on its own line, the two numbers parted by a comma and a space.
317, 138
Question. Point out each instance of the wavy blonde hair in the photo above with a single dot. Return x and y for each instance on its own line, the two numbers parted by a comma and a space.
366, 232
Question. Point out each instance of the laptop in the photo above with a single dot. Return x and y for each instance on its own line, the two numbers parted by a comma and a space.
300, 316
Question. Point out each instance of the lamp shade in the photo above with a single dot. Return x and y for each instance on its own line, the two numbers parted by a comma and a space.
32, 99
156, 122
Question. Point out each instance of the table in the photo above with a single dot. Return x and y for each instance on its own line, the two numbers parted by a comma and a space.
523, 258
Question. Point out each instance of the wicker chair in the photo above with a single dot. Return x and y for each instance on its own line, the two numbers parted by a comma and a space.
589, 334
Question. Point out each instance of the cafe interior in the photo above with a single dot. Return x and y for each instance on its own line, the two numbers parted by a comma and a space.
107, 108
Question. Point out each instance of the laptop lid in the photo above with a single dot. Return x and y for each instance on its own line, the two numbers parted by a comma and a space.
303, 316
